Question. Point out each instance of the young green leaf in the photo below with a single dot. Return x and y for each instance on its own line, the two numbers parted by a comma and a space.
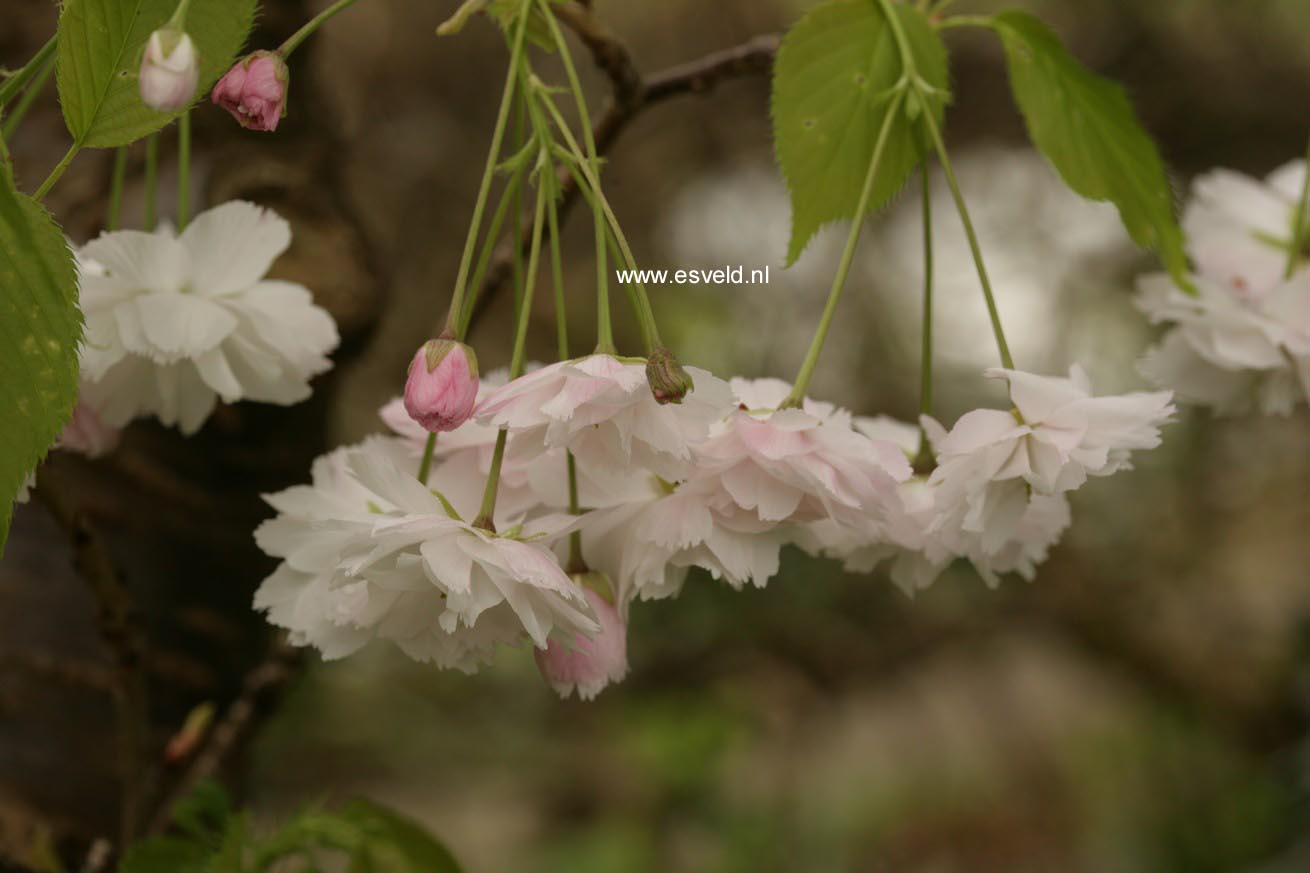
832, 86
40, 327
100, 47
1086, 127
394, 843
363, 837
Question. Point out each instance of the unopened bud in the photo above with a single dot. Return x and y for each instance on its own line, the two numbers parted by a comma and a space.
254, 91
668, 381
443, 385
170, 70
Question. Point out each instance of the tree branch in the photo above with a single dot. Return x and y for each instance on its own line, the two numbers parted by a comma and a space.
122, 634
607, 50
260, 690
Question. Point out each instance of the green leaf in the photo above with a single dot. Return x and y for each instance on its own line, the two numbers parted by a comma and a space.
40, 327
215, 839
165, 855
204, 813
831, 90
395, 844
100, 47
1086, 127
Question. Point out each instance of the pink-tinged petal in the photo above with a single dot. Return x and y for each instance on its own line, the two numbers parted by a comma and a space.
766, 439
753, 488
588, 664
1037, 397
979, 428
1175, 364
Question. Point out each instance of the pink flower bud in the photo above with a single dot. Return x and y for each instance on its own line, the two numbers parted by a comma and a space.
442, 386
588, 664
255, 90
170, 70
87, 434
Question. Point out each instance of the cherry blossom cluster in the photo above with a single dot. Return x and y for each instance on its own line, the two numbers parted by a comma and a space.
1242, 342
721, 480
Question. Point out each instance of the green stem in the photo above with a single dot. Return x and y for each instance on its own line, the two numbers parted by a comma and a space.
183, 171
1301, 224
456, 319
925, 364
56, 173
425, 466
178, 20
516, 211
25, 102
488, 246
965, 21
556, 263
12, 85
114, 217
975, 249
152, 181
612, 246
797, 395
645, 314
517, 361
908, 66
576, 563
604, 324
312, 25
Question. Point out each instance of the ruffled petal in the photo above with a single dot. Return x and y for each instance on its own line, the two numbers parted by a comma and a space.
232, 246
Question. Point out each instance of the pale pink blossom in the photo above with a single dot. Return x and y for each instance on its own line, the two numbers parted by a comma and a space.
588, 663
1229, 351
369, 553
761, 476
1001, 475
254, 91
902, 536
797, 465
601, 408
1056, 436
442, 387
650, 540
1239, 229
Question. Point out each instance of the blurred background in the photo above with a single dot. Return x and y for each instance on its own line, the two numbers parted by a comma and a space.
1144, 705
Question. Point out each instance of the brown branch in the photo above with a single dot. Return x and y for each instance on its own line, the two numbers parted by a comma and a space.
78, 674
753, 57
260, 690
121, 631
607, 50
